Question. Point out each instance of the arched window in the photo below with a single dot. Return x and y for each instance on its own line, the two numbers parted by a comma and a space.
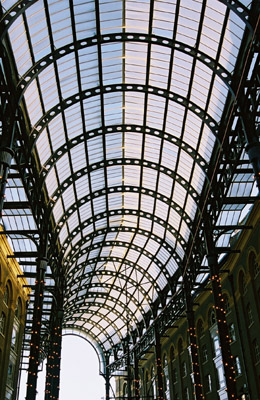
242, 283
200, 328
249, 314
172, 357
226, 303
2, 323
256, 351
153, 386
166, 378
18, 309
180, 346
7, 295
212, 317
253, 265
125, 390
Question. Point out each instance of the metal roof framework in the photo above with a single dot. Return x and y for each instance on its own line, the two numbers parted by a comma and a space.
130, 121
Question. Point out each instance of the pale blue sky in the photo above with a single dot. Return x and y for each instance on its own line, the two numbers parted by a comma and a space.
80, 379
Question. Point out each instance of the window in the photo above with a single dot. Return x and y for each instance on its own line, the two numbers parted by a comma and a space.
166, 378
200, 329
184, 369
174, 375
249, 314
14, 340
242, 284
231, 331
226, 304
125, 391
10, 374
186, 394
216, 345
153, 384
253, 265
237, 366
2, 323
212, 317
6, 296
204, 352
18, 310
208, 383
180, 346
256, 351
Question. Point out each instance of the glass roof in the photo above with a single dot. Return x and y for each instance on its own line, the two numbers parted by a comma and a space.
125, 101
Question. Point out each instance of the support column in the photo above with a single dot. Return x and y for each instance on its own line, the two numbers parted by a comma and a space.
36, 328
253, 151
107, 378
136, 378
6, 155
193, 345
227, 357
158, 361
54, 360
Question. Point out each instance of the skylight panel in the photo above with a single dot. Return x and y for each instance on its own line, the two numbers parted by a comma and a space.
137, 16
174, 119
115, 201
68, 75
114, 176
33, 103
43, 147
60, 22
165, 185
51, 182
169, 155
38, 30
99, 205
114, 145
132, 175
92, 112
68, 197
158, 230
97, 178
82, 186
133, 145
56, 129
181, 72
85, 19
73, 221
113, 105
155, 112
85, 212
131, 200
163, 18
63, 168
207, 143
135, 62
111, 17
185, 165
49, 89
95, 149
149, 178
191, 207
78, 157
73, 120
58, 210
147, 203
20, 45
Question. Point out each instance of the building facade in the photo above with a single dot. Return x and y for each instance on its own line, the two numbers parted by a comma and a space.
240, 282
13, 299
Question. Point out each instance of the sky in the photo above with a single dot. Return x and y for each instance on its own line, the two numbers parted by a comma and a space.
80, 379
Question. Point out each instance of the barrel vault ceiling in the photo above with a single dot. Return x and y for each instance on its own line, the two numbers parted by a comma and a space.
129, 109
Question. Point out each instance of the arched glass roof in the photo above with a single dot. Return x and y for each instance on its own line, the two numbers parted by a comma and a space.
128, 106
